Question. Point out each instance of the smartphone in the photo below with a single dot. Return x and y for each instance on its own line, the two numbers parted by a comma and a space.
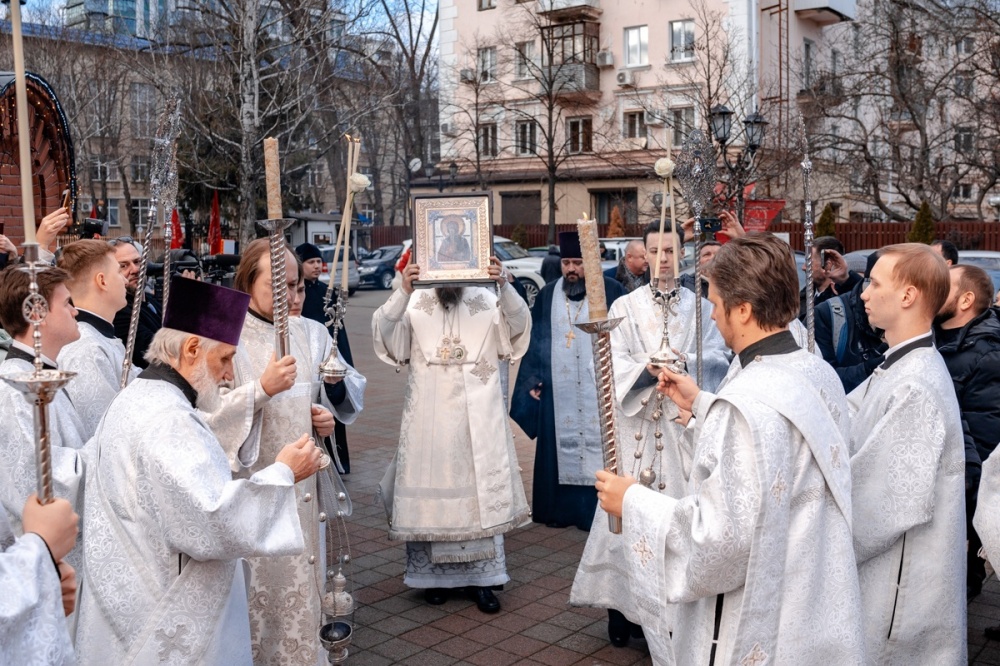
65, 203
825, 256
711, 225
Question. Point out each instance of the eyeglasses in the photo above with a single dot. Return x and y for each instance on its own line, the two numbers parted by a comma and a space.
121, 239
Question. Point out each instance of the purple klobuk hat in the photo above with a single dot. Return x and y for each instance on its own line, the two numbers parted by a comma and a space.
205, 309
569, 245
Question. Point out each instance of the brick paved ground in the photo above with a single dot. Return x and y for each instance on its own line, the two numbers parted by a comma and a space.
393, 624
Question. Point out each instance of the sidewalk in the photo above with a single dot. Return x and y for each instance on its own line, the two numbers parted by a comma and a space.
393, 624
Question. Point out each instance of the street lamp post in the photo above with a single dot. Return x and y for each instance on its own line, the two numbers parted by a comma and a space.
430, 170
741, 167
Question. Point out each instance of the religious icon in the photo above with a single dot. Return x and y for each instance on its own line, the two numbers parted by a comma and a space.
453, 238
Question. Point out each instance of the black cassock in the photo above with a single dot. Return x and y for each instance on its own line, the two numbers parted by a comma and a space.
551, 502
312, 308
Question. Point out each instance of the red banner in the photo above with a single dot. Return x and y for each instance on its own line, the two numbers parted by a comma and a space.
759, 213
215, 228
177, 241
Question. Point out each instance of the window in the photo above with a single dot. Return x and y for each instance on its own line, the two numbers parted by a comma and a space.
526, 137
964, 139
571, 43
963, 84
636, 46
808, 54
488, 140
524, 58
488, 64
682, 41
143, 100
962, 191
314, 177
140, 212
113, 219
140, 169
634, 125
487, 4
579, 133
965, 46
681, 122
368, 210
102, 170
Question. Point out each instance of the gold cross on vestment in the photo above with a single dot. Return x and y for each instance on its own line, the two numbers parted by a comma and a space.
444, 352
570, 336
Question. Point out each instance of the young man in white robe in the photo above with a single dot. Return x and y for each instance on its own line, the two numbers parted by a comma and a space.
641, 414
758, 553
269, 401
39, 587
908, 468
17, 437
168, 523
454, 487
97, 358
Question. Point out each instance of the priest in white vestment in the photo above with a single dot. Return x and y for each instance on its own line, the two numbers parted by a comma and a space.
97, 358
603, 565
17, 437
454, 487
167, 522
908, 466
39, 588
758, 554
269, 402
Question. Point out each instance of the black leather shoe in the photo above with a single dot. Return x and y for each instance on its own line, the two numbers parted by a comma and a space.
435, 596
618, 628
486, 601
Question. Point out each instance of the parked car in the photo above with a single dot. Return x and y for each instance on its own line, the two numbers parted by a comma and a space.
988, 261
353, 275
380, 267
857, 261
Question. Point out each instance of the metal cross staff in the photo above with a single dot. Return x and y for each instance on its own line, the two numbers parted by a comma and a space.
696, 174
807, 222
163, 154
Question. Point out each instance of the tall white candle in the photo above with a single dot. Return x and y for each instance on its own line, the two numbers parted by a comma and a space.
590, 250
23, 140
272, 176
676, 234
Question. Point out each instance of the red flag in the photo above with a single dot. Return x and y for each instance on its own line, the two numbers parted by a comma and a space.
215, 228
93, 212
177, 242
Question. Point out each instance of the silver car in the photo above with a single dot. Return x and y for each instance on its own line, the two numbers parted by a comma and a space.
353, 277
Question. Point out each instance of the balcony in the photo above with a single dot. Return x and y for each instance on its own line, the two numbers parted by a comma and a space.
570, 10
826, 12
578, 82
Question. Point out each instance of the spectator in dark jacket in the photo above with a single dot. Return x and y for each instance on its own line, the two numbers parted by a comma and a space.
948, 250
967, 333
846, 339
551, 269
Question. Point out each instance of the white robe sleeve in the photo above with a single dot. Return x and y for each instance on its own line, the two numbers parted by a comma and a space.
206, 514
629, 359
987, 520
32, 624
347, 412
97, 381
236, 422
391, 329
516, 331
684, 549
894, 470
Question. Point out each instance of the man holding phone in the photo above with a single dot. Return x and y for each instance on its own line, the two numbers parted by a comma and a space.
831, 276
51, 226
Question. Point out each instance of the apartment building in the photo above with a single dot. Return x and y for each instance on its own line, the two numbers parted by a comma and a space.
562, 106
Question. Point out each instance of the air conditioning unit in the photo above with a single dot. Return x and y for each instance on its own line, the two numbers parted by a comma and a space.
626, 78
656, 117
468, 75
448, 129
605, 59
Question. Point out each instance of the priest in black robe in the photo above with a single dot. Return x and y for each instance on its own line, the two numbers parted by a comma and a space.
312, 308
555, 396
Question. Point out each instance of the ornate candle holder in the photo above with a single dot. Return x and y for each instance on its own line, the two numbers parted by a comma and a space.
600, 332
665, 356
39, 386
279, 283
332, 367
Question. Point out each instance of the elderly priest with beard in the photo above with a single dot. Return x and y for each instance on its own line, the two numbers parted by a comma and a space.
454, 487
167, 522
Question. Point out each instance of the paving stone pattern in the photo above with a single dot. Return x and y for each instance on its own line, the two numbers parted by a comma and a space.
393, 624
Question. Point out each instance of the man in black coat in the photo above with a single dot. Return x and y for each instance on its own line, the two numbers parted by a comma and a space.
846, 339
967, 334
312, 308
533, 404
551, 270
150, 311
831, 277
